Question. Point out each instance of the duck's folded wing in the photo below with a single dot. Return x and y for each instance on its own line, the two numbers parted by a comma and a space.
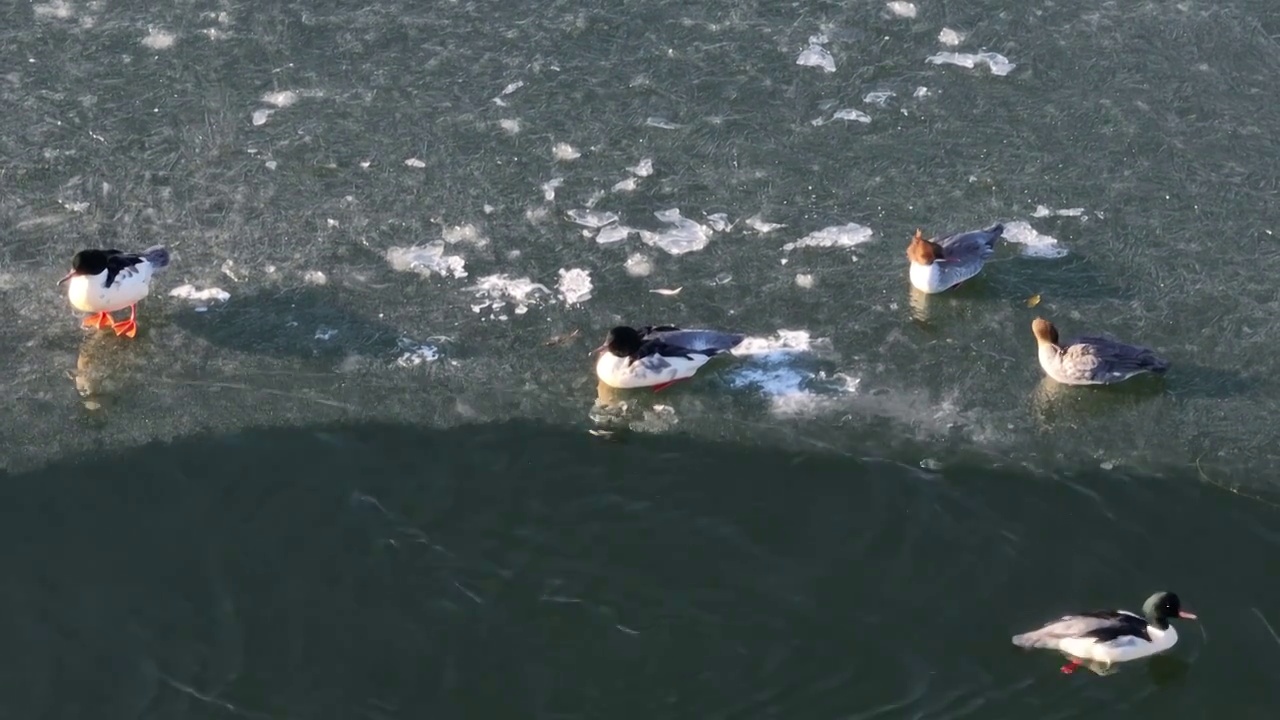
696, 340
1069, 626
1111, 357
975, 244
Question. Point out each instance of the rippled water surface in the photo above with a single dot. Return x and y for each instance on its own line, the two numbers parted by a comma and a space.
345, 469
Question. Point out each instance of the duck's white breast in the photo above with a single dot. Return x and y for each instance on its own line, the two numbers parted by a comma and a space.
927, 278
1122, 649
88, 293
651, 370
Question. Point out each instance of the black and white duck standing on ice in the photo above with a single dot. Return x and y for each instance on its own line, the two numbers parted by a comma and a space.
1105, 637
105, 281
658, 356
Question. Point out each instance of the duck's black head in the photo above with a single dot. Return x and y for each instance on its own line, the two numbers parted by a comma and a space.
1164, 606
86, 262
622, 341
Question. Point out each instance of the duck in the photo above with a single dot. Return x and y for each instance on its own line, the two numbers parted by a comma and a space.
1110, 636
941, 264
658, 356
105, 281
1092, 360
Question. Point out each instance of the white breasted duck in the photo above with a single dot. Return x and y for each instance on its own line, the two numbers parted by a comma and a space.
941, 264
658, 356
104, 281
1110, 636
1092, 360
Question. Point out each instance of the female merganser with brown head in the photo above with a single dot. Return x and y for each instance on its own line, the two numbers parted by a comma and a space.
1092, 360
938, 265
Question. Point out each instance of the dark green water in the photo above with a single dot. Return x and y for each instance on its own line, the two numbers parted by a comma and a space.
351, 490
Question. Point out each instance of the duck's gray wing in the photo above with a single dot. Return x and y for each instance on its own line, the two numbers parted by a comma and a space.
694, 339
1068, 626
979, 244
1108, 360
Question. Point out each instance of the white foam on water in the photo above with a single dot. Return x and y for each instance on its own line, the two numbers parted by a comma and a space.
415, 353
684, 235
464, 233
628, 185
613, 234
1043, 211
836, 236
574, 286
817, 56
755, 222
902, 9
415, 163
426, 260
783, 343
1034, 244
201, 298
638, 265
950, 38
157, 39
280, 98
878, 97
591, 218
315, 277
998, 63
549, 188
564, 152
921, 92
496, 291
325, 333
851, 114
644, 168
511, 125
775, 366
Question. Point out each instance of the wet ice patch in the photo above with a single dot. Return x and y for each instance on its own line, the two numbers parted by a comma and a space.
851, 114
780, 368
549, 188
280, 98
719, 222
315, 277
613, 234
591, 218
564, 152
511, 125
1034, 244
498, 291
921, 92
414, 353
950, 38
878, 97
644, 168
261, 116
815, 55
574, 286
998, 63
1043, 211
324, 333
426, 260
684, 235
464, 233
58, 9
510, 88
628, 185
414, 163
836, 236
638, 265
202, 299
158, 39
755, 222
902, 9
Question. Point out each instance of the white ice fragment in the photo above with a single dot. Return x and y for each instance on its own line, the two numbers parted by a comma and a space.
644, 168
574, 286
851, 114
755, 222
816, 56
564, 152
465, 232
998, 63
593, 198
638, 265
950, 38
512, 87
59, 9
613, 233
201, 298
1042, 211
281, 98
496, 291
628, 185
511, 125
804, 280
315, 277
157, 39
921, 92
261, 116
325, 333
1034, 244
591, 218
878, 97
837, 236
719, 222
426, 260
549, 188
415, 163
415, 353
684, 235
660, 122
902, 9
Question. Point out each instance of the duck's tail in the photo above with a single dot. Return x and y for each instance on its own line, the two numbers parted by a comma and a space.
158, 256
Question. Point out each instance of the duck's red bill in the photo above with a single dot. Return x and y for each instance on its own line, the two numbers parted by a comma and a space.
1187, 615
67, 277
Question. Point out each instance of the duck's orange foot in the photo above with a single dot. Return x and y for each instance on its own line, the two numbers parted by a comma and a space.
128, 328
663, 386
1070, 667
100, 321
